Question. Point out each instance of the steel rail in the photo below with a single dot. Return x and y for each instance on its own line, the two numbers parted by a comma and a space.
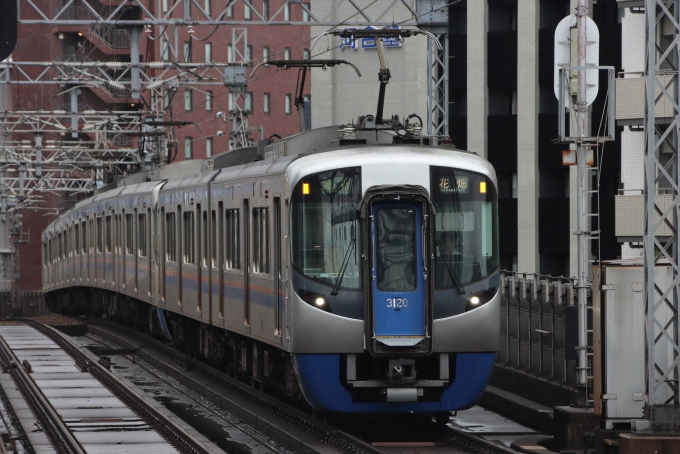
56, 430
336, 438
326, 434
164, 426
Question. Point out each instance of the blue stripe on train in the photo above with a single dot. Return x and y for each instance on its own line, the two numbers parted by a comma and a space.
259, 298
320, 382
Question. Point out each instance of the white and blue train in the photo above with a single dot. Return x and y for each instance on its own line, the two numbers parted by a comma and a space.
360, 274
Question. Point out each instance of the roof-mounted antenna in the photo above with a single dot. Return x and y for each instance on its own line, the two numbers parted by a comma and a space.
379, 35
304, 64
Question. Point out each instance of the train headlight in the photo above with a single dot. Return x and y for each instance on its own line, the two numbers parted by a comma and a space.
316, 300
478, 299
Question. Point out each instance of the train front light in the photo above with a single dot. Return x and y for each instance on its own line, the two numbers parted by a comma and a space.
316, 300
320, 301
478, 299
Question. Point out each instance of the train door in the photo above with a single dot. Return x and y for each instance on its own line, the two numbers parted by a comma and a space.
221, 259
162, 256
278, 294
135, 250
246, 264
399, 292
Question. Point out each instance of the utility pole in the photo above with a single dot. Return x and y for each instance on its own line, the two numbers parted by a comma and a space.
582, 175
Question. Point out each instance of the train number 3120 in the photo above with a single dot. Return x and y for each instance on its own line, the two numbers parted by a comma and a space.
397, 302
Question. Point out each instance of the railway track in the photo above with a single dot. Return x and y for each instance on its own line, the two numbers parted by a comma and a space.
56, 429
287, 426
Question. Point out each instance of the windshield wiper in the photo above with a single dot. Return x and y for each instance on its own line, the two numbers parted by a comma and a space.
447, 262
345, 262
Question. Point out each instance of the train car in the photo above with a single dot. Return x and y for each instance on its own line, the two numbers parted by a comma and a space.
359, 272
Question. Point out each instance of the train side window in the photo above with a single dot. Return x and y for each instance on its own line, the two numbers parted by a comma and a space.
188, 249
231, 240
261, 240
171, 240
100, 232
108, 233
129, 232
204, 240
213, 236
141, 235
84, 245
76, 238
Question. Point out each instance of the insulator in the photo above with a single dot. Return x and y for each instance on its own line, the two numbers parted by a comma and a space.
154, 84
114, 64
156, 65
116, 84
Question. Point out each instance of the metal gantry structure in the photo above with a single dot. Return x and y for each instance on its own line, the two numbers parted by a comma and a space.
662, 290
92, 146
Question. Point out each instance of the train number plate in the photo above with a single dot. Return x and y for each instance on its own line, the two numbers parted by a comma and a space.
397, 303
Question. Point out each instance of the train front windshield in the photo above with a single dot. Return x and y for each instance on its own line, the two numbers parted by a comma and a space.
326, 227
466, 226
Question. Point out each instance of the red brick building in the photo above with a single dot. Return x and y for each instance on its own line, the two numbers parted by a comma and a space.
271, 92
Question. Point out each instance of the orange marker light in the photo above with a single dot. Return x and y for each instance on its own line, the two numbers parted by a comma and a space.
305, 188
482, 187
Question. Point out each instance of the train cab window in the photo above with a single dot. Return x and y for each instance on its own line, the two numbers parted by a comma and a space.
141, 235
261, 240
232, 259
108, 234
466, 226
99, 233
188, 240
325, 227
129, 234
170, 238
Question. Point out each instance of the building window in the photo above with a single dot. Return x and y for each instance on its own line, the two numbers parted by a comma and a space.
170, 239
187, 52
231, 101
208, 52
231, 240
248, 102
165, 50
165, 6
230, 9
167, 99
265, 9
265, 55
188, 147
230, 53
188, 234
208, 147
286, 53
208, 100
187, 100
287, 104
305, 54
249, 55
265, 103
247, 14
206, 7
305, 12
261, 240
141, 235
286, 11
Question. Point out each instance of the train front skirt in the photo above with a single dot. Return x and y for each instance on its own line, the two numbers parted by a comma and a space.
319, 377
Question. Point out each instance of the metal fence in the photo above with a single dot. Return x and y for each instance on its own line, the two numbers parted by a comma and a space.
31, 304
534, 326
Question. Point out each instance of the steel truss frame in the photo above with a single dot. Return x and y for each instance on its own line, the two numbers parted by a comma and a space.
193, 12
661, 296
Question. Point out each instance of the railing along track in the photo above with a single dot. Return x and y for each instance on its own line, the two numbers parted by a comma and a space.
56, 430
164, 426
